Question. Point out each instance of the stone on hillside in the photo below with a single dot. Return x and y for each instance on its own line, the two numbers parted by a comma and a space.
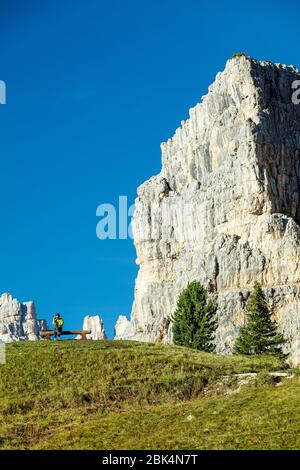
96, 326
123, 328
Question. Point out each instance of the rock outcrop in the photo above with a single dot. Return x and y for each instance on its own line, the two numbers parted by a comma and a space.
225, 209
18, 321
123, 328
96, 326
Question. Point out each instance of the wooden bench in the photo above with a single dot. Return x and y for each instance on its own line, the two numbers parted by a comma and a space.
47, 334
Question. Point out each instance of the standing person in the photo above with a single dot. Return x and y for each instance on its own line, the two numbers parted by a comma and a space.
58, 323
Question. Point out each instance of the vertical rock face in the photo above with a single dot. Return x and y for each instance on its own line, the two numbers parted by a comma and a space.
96, 326
225, 209
19, 321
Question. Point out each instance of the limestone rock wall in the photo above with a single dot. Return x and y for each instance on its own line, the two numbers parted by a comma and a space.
225, 208
123, 328
18, 321
96, 326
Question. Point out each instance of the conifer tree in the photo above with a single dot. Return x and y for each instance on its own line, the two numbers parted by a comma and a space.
194, 321
260, 335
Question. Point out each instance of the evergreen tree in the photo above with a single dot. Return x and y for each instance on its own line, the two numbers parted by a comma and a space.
259, 336
194, 321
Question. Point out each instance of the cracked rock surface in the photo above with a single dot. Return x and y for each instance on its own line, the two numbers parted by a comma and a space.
225, 208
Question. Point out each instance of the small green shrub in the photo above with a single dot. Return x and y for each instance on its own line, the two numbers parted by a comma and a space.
264, 378
238, 54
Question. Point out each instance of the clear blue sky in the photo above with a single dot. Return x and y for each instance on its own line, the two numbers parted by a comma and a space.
93, 87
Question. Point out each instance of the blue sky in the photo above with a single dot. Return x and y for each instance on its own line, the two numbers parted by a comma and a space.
93, 87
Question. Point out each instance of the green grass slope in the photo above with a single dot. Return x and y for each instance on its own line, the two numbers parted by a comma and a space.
128, 395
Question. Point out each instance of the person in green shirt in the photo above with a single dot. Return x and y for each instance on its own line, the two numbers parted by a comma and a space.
58, 323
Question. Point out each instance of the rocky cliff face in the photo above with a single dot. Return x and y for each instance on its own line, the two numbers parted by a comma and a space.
225, 209
96, 326
18, 321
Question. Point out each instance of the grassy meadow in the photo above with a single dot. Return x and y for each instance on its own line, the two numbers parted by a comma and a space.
129, 395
